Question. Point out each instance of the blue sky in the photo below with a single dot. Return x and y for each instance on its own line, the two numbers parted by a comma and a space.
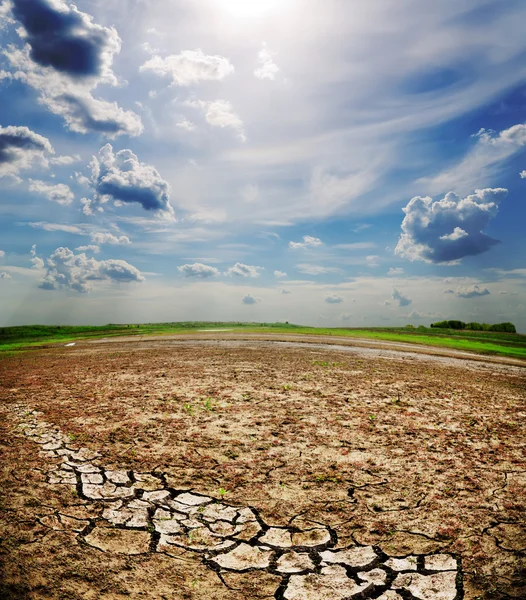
327, 163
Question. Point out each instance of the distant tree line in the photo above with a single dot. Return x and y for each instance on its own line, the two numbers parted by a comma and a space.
474, 326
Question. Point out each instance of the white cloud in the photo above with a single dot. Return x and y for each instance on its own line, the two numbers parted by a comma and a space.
35, 260
473, 291
123, 178
56, 227
372, 261
190, 67
395, 271
333, 299
186, 125
481, 163
220, 113
89, 248
250, 299
316, 269
59, 193
400, 298
308, 242
449, 229
523, 174
284, 292
279, 274
21, 148
267, 69
65, 160
100, 238
2, 253
241, 270
68, 270
198, 270
4, 275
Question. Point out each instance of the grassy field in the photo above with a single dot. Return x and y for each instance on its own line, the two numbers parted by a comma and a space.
483, 342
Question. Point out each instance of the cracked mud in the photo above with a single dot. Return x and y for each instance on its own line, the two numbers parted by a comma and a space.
149, 516
316, 517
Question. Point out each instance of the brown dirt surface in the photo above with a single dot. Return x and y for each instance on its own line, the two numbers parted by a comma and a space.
331, 448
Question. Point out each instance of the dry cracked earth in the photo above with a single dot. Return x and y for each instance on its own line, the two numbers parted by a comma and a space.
249, 469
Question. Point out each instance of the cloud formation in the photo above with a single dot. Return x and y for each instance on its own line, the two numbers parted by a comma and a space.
65, 57
123, 178
68, 270
473, 291
59, 193
35, 260
108, 238
220, 113
62, 37
250, 299
333, 299
4, 275
189, 67
20, 148
198, 270
308, 242
395, 271
400, 298
449, 229
279, 274
241, 270
267, 69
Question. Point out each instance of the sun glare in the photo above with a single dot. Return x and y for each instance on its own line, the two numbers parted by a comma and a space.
250, 8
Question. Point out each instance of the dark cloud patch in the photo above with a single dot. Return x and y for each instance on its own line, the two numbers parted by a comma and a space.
400, 298
449, 229
14, 140
63, 38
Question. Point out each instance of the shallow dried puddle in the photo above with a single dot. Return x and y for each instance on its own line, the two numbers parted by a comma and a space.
142, 515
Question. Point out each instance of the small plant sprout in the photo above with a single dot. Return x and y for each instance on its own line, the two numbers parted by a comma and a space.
222, 492
209, 404
189, 409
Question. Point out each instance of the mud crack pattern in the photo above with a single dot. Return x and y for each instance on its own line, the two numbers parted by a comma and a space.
141, 514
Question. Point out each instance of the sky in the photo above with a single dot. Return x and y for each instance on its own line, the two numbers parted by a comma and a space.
321, 162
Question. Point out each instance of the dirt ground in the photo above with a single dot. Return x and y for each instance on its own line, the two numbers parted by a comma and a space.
249, 469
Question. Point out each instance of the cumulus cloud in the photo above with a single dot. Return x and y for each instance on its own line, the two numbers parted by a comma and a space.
280, 274
59, 193
68, 270
395, 271
108, 238
35, 260
122, 177
473, 291
267, 69
65, 57
250, 299
189, 67
241, 270
333, 299
20, 148
88, 248
522, 174
198, 270
449, 229
308, 242
4, 275
220, 113
400, 298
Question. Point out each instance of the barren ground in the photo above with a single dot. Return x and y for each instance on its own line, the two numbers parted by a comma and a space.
237, 470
